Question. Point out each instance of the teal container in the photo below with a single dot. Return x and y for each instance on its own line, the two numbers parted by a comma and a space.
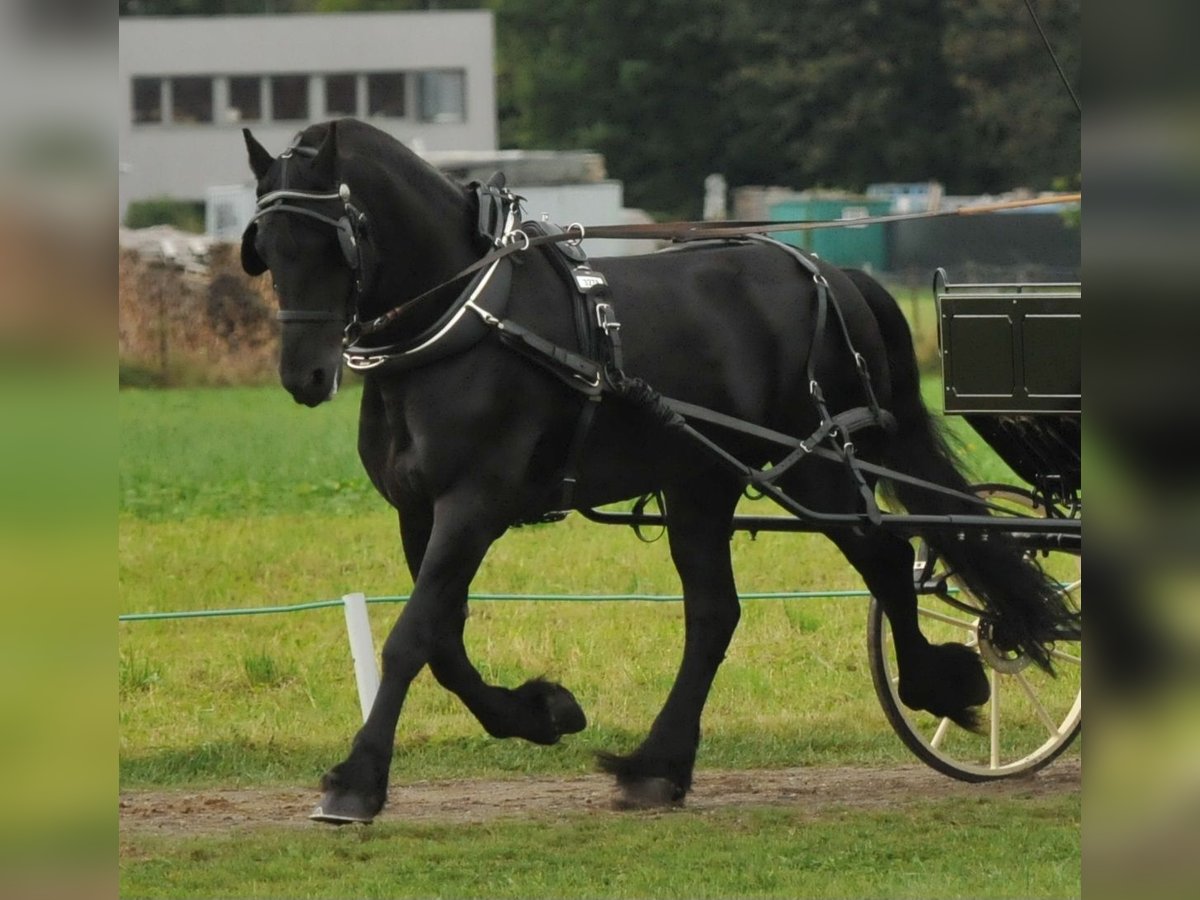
862, 246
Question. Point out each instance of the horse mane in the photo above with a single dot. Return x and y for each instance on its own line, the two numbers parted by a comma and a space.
361, 144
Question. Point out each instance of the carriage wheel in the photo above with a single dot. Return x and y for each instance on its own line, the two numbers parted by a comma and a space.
1031, 717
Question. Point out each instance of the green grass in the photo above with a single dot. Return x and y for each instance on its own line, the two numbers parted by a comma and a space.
985, 848
244, 452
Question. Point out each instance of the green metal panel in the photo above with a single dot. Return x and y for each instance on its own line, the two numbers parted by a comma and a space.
862, 245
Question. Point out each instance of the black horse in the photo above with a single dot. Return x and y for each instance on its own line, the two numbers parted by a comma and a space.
465, 437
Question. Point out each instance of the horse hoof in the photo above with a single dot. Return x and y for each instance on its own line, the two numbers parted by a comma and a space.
649, 793
565, 711
342, 809
951, 684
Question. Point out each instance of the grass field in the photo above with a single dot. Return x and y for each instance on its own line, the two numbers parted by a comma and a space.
239, 498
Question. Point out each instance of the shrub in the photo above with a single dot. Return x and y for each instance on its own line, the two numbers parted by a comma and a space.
186, 215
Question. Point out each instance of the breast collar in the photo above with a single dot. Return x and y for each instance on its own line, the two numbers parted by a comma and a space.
463, 325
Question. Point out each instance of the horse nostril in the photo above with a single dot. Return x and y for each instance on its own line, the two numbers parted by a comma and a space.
318, 377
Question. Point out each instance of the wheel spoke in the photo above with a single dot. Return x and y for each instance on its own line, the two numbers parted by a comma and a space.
948, 619
994, 730
940, 734
1051, 725
1065, 657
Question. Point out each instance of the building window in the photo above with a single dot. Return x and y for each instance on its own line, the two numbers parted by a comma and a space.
147, 100
245, 99
442, 95
191, 100
385, 94
289, 97
341, 95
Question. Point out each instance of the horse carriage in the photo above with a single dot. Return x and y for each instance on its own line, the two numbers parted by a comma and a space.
519, 380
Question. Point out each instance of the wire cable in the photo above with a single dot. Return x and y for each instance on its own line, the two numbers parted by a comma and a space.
1053, 56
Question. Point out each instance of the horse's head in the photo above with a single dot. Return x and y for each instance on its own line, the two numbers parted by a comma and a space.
308, 233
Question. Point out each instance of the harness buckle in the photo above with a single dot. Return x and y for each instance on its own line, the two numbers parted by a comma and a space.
605, 318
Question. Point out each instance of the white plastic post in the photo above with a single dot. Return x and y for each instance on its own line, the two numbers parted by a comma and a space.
362, 649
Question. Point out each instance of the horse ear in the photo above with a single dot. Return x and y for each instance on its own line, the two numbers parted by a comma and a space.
252, 263
260, 157
325, 162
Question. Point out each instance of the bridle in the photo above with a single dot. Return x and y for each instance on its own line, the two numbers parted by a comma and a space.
349, 228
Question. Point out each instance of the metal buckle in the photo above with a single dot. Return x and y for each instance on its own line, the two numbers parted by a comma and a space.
603, 312
363, 363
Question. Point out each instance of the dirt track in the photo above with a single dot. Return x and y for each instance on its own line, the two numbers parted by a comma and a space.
813, 790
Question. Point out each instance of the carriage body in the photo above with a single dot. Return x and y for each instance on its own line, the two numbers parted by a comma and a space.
1012, 367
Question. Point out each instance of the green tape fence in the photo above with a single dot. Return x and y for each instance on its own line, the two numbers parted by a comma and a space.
400, 598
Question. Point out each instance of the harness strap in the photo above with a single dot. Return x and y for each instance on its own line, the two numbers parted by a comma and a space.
583, 426
685, 410
575, 371
846, 423
829, 427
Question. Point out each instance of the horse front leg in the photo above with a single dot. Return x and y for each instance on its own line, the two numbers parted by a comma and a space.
538, 711
459, 535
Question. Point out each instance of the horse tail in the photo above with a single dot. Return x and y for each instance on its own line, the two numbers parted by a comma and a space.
1029, 606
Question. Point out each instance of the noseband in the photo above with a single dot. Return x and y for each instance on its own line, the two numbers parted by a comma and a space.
348, 228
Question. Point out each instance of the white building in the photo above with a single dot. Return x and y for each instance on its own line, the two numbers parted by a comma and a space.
190, 84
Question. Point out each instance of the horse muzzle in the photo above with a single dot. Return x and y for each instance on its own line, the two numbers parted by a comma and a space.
312, 385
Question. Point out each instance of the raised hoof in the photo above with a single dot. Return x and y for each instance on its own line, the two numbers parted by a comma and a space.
952, 683
549, 711
565, 711
649, 793
342, 809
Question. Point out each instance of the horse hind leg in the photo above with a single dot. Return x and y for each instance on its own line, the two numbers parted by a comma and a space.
659, 771
947, 680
